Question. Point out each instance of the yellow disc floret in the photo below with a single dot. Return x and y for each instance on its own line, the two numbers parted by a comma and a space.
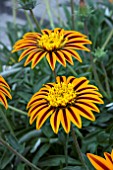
54, 40
61, 94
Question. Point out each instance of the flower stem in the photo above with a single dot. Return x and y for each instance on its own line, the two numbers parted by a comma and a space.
66, 149
3, 115
29, 21
16, 110
49, 14
35, 20
78, 149
72, 14
3, 142
14, 11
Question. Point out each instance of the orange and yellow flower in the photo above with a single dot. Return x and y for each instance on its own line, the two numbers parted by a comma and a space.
65, 101
4, 87
55, 45
102, 163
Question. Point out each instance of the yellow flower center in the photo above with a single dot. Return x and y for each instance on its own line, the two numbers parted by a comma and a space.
55, 40
61, 94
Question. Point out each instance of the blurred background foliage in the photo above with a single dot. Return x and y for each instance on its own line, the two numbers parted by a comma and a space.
43, 148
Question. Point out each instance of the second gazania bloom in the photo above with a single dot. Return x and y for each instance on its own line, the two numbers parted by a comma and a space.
65, 100
56, 45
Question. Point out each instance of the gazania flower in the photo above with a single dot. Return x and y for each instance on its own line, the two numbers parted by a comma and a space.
55, 45
65, 101
4, 87
102, 163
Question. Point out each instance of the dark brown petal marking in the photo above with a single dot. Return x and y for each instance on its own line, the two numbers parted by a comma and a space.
85, 88
31, 57
65, 118
55, 118
109, 156
79, 84
49, 110
38, 105
100, 163
2, 99
2, 90
73, 115
27, 52
89, 98
26, 46
41, 93
83, 110
72, 37
76, 46
38, 57
39, 110
87, 104
66, 56
72, 79
77, 41
36, 100
59, 57
1, 82
51, 58
46, 32
45, 91
86, 93
61, 79
50, 85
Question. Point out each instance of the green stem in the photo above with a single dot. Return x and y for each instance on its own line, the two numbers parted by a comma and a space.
66, 150
7, 122
14, 11
35, 20
16, 110
106, 80
49, 14
3, 142
78, 149
72, 14
29, 21
94, 67
108, 39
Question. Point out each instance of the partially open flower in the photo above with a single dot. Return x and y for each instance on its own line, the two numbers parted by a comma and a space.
4, 87
65, 101
102, 163
56, 45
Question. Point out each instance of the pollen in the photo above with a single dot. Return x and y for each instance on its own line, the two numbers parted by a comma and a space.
54, 40
61, 94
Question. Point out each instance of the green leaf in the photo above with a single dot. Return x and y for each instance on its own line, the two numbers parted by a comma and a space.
21, 166
40, 153
56, 160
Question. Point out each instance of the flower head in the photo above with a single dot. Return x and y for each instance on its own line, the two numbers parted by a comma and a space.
65, 101
102, 163
4, 87
55, 45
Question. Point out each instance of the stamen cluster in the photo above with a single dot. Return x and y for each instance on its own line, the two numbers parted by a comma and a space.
61, 94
